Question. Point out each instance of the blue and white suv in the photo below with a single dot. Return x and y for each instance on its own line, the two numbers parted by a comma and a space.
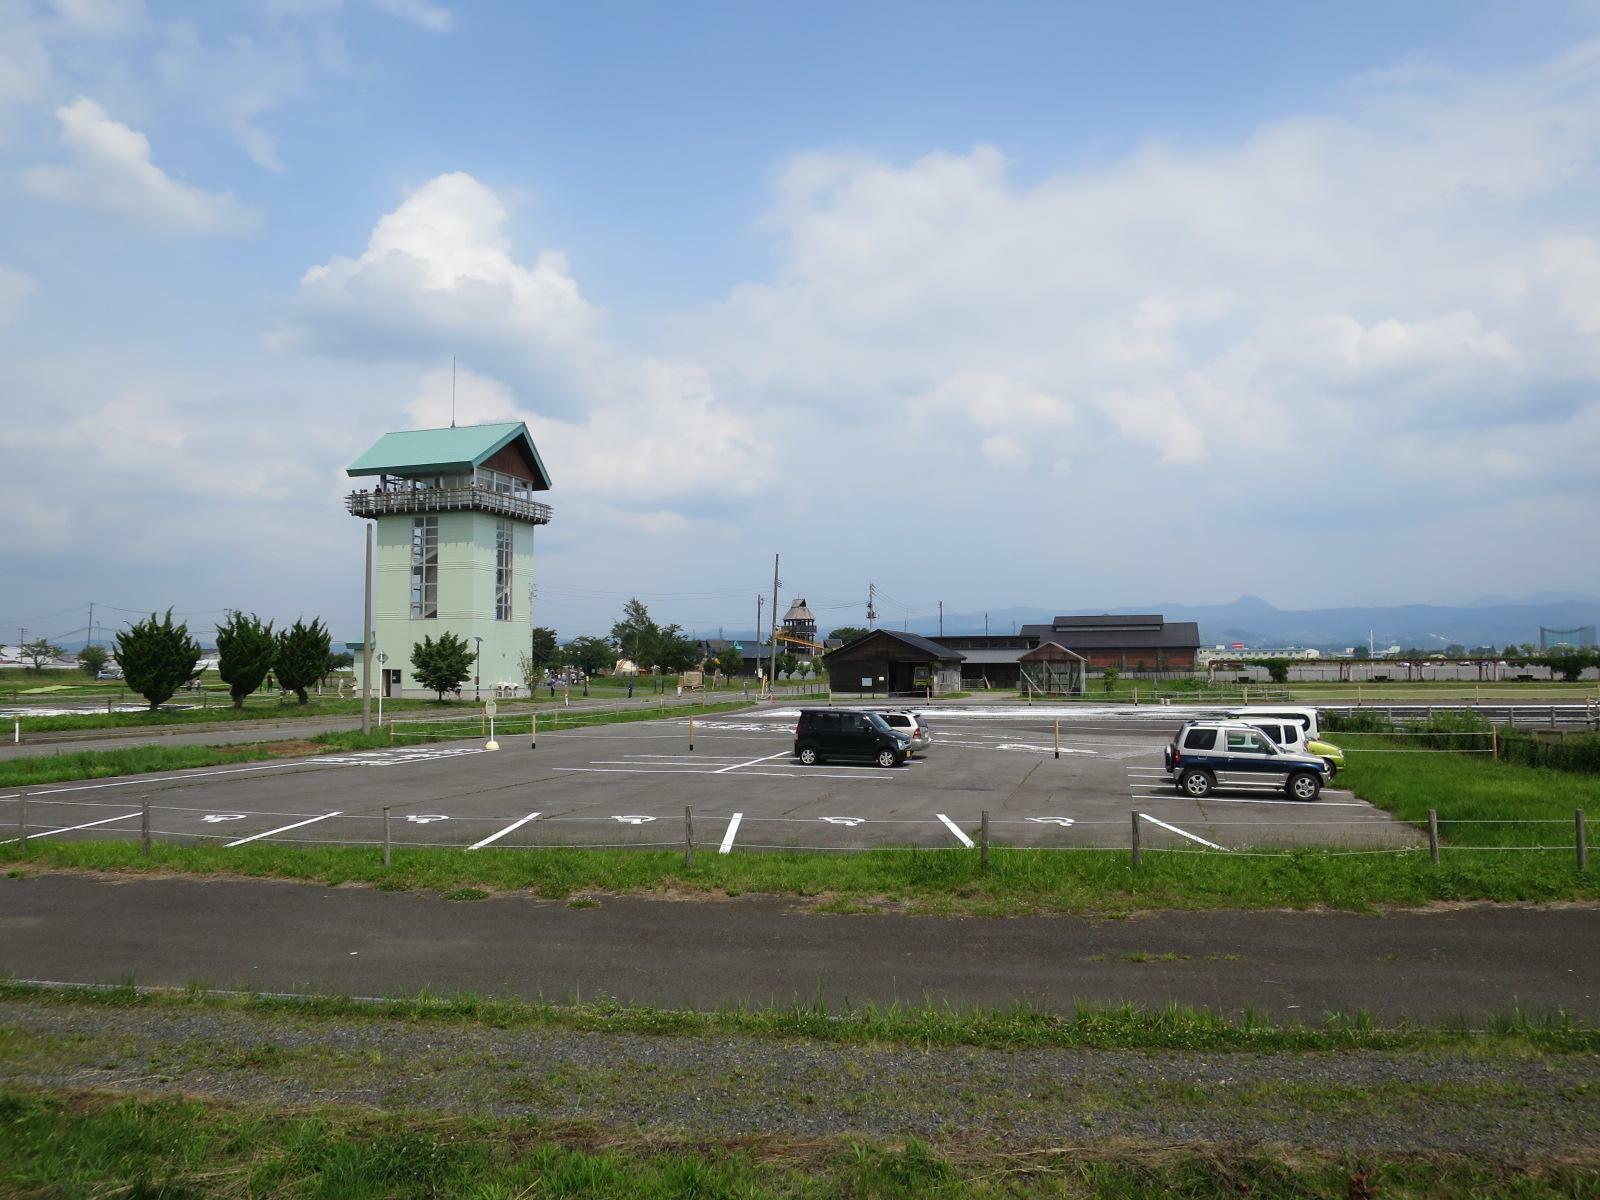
1206, 755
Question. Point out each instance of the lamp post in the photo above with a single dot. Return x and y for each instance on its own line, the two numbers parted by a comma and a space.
382, 658
477, 670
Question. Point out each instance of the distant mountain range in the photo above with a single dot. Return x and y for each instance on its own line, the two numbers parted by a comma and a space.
1256, 623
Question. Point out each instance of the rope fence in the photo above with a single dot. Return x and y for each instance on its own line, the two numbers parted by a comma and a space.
971, 835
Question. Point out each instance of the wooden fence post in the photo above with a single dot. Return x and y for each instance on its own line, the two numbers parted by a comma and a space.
1137, 856
688, 836
983, 842
144, 826
1582, 839
22, 822
387, 845
1433, 836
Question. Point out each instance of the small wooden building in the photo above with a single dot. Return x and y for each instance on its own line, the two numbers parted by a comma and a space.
1050, 669
888, 663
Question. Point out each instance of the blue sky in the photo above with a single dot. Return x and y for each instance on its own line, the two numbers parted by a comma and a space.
1000, 305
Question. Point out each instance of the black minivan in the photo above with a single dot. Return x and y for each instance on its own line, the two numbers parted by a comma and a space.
842, 733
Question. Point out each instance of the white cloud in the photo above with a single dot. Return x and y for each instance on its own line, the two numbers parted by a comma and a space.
435, 18
15, 287
113, 170
1382, 263
438, 276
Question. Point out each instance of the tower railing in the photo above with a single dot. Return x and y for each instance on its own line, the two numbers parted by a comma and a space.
383, 502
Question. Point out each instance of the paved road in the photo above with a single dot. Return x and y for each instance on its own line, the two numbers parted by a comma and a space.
292, 937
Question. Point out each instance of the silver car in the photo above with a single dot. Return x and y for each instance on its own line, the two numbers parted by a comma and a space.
910, 726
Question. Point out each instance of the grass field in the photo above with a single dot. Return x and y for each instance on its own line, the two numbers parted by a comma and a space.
81, 1144
1480, 802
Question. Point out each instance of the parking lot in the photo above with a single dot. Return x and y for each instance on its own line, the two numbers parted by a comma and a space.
629, 785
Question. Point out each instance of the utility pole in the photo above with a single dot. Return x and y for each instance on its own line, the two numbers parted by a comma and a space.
985, 624
941, 618
91, 623
772, 655
872, 613
760, 600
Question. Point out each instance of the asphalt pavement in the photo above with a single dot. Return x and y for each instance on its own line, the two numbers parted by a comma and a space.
1467, 961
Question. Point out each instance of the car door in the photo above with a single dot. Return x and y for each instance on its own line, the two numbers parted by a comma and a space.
1250, 758
825, 733
856, 738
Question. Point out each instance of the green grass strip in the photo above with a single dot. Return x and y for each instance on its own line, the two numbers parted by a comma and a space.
1017, 1027
1479, 800
132, 760
81, 1144
948, 882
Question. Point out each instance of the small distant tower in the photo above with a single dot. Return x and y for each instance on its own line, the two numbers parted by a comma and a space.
801, 622
455, 517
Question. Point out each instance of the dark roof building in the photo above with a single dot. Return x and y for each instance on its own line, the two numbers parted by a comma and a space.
1140, 641
888, 662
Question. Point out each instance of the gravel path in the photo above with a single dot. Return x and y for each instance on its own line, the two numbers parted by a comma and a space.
1488, 1103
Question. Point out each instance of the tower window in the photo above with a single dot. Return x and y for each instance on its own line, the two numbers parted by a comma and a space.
424, 567
502, 571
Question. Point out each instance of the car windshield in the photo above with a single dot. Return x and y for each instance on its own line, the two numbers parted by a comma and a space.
877, 721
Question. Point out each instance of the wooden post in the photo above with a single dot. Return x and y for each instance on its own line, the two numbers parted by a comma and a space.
22, 822
1494, 742
1137, 857
1058, 737
1582, 839
688, 836
533, 732
144, 826
391, 731
1433, 836
691, 735
387, 850
983, 842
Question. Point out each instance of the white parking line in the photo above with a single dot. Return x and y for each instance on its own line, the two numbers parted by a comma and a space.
955, 829
68, 829
1181, 832
727, 838
754, 761
495, 837
255, 837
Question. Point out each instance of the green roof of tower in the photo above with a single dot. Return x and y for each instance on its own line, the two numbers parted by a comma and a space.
459, 448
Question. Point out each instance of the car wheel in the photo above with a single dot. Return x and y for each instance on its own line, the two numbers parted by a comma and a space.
808, 755
1196, 783
1304, 786
888, 758
1333, 767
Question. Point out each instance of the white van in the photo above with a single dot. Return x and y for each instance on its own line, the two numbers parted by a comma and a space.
1306, 718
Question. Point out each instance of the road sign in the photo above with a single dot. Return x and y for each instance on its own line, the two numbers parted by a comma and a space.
488, 708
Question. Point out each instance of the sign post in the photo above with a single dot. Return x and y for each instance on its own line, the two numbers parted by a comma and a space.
488, 711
